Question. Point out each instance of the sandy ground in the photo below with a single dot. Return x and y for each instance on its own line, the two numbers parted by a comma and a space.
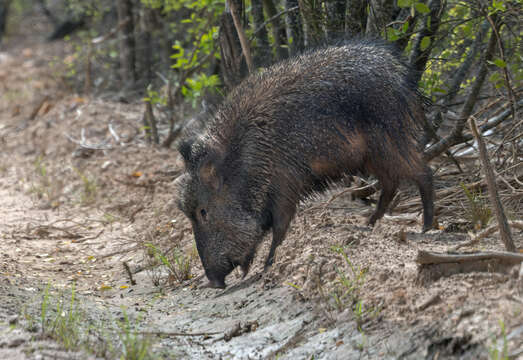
74, 216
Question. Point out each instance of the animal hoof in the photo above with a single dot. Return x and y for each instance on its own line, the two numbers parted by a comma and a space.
215, 284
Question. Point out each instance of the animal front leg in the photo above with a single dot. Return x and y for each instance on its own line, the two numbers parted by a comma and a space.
281, 218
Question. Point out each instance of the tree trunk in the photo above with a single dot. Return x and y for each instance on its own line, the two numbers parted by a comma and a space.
356, 17
48, 13
278, 31
233, 67
263, 49
294, 27
381, 12
244, 42
418, 56
464, 68
405, 16
311, 12
456, 135
4, 11
335, 25
146, 24
126, 42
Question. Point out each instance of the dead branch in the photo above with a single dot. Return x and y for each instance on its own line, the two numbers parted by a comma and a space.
489, 124
504, 229
434, 299
89, 237
85, 145
173, 334
111, 33
118, 252
129, 273
475, 239
44, 230
150, 121
271, 19
491, 20
357, 192
88, 69
456, 135
428, 258
37, 108
462, 71
114, 134
135, 212
241, 34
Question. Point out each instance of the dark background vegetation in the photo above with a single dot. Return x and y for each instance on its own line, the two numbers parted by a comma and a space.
178, 55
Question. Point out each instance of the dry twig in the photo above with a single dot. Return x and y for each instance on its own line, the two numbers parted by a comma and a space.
85, 145
475, 239
504, 229
427, 257
129, 273
241, 34
173, 334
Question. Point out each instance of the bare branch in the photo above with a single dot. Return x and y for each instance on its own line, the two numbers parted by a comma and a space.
241, 34
504, 229
456, 135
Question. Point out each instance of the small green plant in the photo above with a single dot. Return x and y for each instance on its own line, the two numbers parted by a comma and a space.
297, 287
44, 307
478, 210
134, 345
62, 319
494, 351
347, 291
65, 323
89, 188
44, 185
177, 262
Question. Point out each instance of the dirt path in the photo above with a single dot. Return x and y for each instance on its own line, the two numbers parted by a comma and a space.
72, 218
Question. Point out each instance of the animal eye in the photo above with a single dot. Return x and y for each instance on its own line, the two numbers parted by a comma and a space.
203, 213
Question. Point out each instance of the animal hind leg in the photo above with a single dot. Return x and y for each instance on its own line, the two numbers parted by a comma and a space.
426, 189
387, 194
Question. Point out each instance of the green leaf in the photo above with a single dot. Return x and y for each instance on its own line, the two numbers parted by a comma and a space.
439, 90
495, 77
500, 63
405, 27
404, 3
425, 42
392, 34
422, 8
499, 85
498, 5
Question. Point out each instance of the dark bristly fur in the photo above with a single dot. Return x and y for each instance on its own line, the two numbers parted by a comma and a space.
292, 130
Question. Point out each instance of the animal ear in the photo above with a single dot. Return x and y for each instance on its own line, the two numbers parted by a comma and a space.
209, 175
185, 149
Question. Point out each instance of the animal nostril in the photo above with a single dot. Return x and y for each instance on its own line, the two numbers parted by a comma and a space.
203, 213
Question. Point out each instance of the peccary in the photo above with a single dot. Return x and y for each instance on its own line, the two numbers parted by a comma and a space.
292, 130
